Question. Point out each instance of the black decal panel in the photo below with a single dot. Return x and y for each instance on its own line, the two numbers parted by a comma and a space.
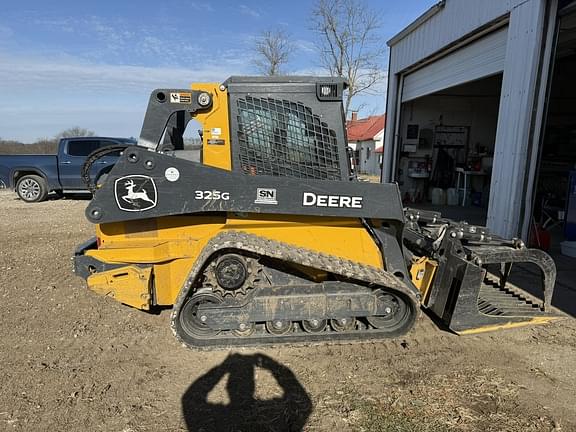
153, 196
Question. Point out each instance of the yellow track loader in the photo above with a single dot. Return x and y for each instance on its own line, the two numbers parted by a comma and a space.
269, 238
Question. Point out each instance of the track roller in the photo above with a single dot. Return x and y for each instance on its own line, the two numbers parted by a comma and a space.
314, 325
244, 330
279, 327
343, 324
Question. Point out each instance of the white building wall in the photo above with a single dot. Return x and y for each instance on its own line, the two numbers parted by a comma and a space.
369, 163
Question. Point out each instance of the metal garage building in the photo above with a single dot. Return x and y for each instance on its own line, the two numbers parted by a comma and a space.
482, 69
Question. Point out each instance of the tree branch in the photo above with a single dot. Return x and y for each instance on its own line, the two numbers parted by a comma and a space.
349, 44
273, 50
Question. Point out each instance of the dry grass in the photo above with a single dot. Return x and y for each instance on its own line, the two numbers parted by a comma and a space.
375, 419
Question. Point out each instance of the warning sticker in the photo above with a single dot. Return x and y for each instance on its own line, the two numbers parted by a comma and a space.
214, 141
182, 98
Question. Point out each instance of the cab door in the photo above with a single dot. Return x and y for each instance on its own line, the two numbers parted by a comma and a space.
71, 159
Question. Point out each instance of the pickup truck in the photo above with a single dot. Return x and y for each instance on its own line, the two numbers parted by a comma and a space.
35, 176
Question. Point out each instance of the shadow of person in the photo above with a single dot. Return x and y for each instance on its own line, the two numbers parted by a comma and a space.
245, 412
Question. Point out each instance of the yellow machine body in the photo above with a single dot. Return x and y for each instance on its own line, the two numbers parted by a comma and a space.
215, 125
170, 245
129, 285
422, 274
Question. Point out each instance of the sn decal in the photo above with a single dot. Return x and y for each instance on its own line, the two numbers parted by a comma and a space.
266, 196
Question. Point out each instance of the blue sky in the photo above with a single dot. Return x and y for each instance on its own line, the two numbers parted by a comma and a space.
93, 64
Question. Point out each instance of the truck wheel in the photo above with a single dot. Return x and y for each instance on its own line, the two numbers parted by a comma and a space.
32, 188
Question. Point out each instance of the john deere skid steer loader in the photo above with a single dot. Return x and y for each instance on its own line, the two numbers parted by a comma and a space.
270, 238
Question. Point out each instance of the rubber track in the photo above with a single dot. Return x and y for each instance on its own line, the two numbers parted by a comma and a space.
367, 275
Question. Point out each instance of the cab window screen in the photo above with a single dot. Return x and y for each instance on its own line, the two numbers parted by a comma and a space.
284, 138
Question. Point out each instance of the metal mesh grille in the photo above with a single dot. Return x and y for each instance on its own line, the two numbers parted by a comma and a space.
284, 138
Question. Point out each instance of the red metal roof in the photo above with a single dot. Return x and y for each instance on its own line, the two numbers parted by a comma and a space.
365, 129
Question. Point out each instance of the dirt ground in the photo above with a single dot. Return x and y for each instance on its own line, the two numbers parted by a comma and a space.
74, 361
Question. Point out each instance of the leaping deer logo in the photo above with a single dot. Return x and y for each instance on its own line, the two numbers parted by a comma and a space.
135, 193
132, 196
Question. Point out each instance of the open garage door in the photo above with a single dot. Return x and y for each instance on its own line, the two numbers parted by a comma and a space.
479, 59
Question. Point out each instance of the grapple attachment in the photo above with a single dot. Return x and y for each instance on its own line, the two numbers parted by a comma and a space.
473, 288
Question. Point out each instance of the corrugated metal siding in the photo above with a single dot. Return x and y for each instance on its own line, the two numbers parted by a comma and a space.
479, 59
456, 20
515, 117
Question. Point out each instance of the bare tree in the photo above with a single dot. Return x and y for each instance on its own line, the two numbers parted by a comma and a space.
349, 44
75, 131
273, 49
41, 146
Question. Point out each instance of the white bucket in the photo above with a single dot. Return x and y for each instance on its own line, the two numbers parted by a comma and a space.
452, 196
438, 196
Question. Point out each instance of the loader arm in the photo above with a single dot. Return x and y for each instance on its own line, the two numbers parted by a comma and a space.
168, 113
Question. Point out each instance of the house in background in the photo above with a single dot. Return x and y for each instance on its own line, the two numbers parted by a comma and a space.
365, 137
